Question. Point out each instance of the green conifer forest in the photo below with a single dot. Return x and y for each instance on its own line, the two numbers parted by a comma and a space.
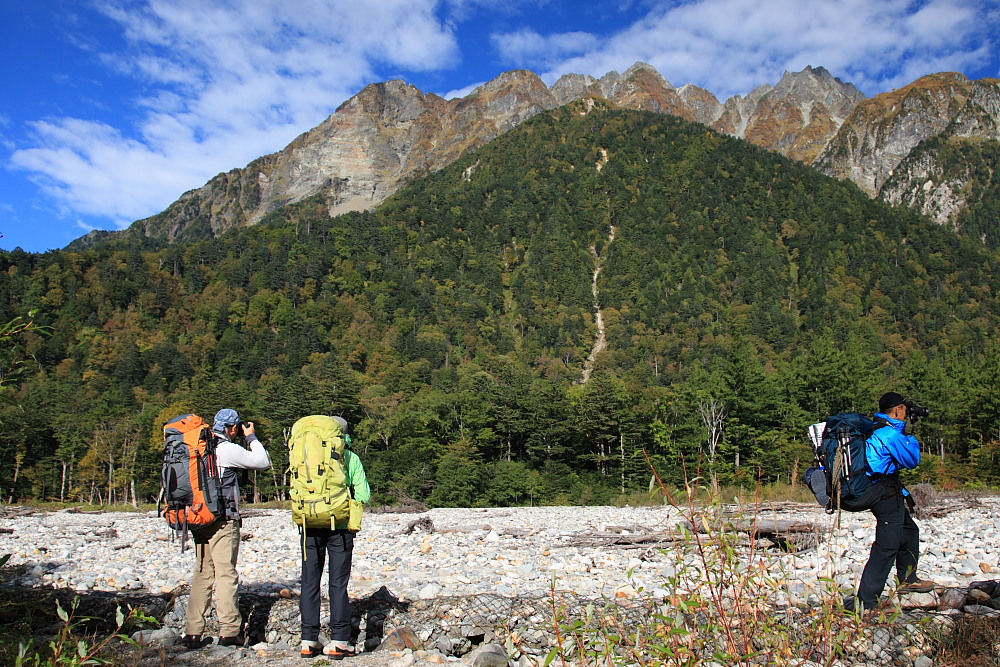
742, 295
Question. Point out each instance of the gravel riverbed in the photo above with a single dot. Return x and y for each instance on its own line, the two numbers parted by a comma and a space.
507, 552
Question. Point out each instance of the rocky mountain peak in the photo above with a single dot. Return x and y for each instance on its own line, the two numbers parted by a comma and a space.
645, 69
796, 116
818, 85
903, 146
391, 131
571, 87
520, 79
393, 100
882, 131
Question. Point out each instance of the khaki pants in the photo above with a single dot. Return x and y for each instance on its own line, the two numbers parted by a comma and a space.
216, 549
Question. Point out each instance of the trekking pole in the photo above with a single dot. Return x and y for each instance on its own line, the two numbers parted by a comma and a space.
842, 459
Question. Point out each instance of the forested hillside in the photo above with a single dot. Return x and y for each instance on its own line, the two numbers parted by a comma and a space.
743, 296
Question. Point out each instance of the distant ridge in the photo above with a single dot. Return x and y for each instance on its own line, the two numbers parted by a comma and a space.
391, 132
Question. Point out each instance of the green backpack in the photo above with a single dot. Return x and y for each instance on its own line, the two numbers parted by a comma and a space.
317, 465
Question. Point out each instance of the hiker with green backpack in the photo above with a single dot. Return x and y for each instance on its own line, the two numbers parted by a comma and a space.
328, 489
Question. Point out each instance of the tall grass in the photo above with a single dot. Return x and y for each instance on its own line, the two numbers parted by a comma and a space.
727, 603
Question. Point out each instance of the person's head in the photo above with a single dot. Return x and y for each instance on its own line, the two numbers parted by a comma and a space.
893, 404
343, 429
226, 421
343, 423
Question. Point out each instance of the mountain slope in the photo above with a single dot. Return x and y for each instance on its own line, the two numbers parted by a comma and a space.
507, 238
392, 131
882, 131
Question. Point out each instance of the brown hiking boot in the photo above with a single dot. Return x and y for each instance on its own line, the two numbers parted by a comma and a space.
916, 586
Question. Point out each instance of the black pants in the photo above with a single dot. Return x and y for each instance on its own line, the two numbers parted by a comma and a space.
339, 546
897, 542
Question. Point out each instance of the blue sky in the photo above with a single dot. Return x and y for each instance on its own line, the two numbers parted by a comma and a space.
111, 109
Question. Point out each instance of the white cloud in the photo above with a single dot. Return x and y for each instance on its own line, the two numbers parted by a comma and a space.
461, 92
527, 48
224, 83
730, 46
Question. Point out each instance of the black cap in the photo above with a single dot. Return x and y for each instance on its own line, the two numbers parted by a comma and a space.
890, 400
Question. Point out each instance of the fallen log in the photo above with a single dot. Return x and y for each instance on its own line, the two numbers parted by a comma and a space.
786, 535
481, 527
518, 532
624, 541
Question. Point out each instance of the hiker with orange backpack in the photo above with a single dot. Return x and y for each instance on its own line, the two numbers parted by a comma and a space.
217, 545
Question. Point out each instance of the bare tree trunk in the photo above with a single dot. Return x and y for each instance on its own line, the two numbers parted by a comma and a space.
713, 415
18, 458
62, 484
621, 449
135, 501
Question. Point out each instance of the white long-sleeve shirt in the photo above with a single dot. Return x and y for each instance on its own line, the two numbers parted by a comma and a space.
230, 455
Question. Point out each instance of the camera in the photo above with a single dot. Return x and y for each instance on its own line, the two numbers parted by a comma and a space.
915, 412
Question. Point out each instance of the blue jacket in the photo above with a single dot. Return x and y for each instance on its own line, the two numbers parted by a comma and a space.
888, 450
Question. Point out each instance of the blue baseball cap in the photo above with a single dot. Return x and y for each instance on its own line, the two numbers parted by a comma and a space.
225, 418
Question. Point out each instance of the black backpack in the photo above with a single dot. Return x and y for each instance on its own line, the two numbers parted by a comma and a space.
839, 476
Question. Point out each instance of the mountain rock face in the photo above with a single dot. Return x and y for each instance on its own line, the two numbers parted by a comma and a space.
939, 184
796, 117
391, 132
883, 132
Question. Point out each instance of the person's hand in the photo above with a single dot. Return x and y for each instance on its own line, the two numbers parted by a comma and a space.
248, 429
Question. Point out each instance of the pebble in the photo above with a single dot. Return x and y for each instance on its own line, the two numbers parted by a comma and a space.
515, 551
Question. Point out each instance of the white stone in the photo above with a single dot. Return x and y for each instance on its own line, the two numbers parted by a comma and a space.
429, 592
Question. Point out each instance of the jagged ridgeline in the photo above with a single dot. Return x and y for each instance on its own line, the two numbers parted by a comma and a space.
525, 323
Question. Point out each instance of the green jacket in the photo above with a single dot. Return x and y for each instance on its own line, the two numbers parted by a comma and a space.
357, 481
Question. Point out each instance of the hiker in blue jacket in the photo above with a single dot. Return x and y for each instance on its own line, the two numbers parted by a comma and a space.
889, 449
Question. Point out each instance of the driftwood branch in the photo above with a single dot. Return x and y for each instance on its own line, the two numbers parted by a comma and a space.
466, 529
603, 538
11, 511
423, 524
787, 535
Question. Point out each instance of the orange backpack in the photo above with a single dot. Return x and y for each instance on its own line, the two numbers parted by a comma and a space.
192, 487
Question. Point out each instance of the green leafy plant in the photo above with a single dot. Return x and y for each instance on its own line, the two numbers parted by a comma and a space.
71, 647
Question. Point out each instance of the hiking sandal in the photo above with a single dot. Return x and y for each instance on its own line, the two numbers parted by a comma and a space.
338, 652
